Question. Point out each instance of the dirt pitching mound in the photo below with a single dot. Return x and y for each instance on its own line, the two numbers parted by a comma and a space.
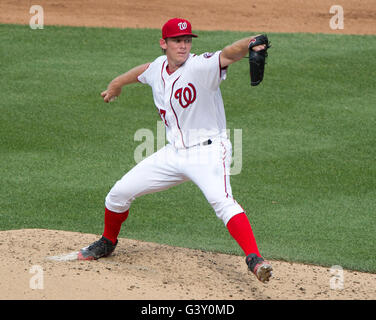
142, 270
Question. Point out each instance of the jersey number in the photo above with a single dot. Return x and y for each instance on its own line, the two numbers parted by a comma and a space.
162, 114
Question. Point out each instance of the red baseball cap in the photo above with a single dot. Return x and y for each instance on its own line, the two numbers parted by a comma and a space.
177, 27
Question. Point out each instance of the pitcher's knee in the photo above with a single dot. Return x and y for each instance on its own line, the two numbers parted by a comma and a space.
118, 199
226, 208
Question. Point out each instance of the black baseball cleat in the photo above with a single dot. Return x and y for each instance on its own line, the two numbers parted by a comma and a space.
259, 267
98, 249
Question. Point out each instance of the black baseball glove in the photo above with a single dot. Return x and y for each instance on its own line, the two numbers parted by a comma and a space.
257, 59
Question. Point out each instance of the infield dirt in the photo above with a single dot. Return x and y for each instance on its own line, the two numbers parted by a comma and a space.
140, 270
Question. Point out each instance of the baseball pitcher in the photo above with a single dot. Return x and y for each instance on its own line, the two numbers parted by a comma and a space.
187, 96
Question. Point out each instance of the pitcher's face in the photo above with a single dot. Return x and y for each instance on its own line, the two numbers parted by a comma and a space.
177, 49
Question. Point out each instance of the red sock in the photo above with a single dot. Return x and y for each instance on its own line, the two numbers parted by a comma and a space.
112, 224
240, 229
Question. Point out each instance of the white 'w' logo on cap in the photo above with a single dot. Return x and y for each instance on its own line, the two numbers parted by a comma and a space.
182, 25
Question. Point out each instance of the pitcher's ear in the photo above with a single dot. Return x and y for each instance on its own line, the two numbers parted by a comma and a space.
163, 44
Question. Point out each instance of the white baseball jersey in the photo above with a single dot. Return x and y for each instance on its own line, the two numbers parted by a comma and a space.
189, 100
190, 104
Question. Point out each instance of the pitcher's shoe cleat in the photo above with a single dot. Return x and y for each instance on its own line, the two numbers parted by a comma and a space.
262, 269
98, 249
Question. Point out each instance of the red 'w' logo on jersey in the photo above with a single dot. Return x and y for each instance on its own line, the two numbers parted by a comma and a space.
186, 96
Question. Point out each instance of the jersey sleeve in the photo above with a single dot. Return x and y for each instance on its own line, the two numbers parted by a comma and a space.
208, 69
147, 77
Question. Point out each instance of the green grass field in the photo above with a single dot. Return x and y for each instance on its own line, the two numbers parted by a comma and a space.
308, 180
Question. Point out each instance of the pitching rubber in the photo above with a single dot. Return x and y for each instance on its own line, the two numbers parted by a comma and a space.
64, 257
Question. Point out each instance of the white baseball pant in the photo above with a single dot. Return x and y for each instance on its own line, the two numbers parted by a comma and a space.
208, 166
